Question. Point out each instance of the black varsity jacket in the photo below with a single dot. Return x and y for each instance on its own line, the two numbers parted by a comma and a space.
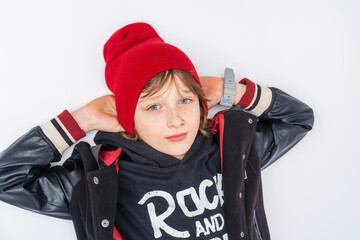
262, 135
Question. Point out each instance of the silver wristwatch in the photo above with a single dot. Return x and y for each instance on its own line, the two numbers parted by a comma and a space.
228, 96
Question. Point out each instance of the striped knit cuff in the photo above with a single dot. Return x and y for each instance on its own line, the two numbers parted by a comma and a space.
63, 131
256, 99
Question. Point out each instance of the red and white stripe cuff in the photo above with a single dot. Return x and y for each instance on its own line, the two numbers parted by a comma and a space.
256, 99
63, 131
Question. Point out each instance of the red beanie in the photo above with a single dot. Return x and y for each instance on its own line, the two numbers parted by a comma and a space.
133, 55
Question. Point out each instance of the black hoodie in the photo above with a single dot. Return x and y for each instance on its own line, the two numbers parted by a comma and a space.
162, 197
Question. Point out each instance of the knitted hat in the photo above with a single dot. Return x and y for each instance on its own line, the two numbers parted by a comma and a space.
133, 55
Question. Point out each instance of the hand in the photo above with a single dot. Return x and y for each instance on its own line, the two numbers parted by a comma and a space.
98, 114
213, 89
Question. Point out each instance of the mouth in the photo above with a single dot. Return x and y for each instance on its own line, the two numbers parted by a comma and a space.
177, 137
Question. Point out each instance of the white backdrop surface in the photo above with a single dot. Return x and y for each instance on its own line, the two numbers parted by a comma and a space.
51, 60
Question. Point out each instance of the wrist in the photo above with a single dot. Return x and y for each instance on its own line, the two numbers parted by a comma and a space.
239, 92
82, 118
232, 91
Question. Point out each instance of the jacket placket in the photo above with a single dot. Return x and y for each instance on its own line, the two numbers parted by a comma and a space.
96, 197
241, 175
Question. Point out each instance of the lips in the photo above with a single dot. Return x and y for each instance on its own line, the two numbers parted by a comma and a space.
177, 137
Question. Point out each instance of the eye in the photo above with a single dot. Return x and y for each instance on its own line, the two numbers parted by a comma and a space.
185, 101
153, 107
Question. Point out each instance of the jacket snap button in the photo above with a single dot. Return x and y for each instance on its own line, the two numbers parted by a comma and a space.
250, 121
96, 180
105, 223
242, 234
243, 156
240, 195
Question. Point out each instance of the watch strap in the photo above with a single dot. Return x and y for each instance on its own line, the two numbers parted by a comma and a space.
228, 96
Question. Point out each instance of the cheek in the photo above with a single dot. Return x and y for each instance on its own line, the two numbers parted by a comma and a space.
148, 129
195, 115
141, 127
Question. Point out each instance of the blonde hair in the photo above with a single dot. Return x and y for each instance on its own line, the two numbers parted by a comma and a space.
169, 76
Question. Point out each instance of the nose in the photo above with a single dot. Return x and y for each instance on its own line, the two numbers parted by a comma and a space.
175, 120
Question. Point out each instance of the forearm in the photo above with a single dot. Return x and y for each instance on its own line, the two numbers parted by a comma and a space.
250, 96
283, 119
281, 126
27, 179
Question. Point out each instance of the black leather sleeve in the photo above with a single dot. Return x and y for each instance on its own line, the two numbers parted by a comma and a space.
281, 126
28, 180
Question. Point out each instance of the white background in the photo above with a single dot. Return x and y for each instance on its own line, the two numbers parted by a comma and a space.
51, 60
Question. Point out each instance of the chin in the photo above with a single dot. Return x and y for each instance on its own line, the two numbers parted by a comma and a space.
178, 153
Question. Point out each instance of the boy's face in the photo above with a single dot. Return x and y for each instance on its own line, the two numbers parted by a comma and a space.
169, 120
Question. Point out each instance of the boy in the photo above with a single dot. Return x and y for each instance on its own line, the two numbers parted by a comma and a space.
157, 172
